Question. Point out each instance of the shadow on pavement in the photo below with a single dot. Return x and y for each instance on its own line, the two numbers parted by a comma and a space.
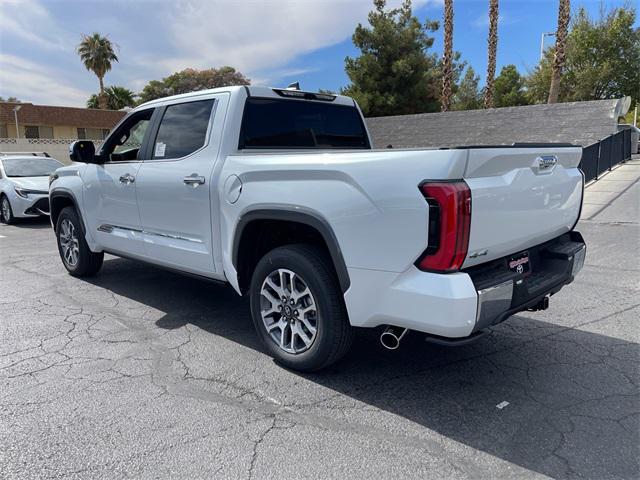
35, 223
573, 400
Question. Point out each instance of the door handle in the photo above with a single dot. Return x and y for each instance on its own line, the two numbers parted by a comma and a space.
194, 180
127, 178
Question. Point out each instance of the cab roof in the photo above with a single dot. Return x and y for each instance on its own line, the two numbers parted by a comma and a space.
257, 91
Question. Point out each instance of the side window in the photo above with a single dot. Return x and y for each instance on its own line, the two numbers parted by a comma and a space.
125, 143
92, 133
34, 131
31, 131
183, 129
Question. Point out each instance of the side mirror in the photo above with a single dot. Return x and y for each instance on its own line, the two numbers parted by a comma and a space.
83, 151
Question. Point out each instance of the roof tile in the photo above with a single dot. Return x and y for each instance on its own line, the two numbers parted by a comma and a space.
45, 115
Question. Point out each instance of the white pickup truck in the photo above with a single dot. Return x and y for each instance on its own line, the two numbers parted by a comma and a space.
279, 193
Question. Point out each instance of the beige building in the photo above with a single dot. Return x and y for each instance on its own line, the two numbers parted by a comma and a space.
51, 129
44, 121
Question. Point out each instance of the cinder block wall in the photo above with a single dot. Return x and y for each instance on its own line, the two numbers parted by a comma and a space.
58, 149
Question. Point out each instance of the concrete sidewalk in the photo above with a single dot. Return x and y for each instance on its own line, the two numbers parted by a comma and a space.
599, 195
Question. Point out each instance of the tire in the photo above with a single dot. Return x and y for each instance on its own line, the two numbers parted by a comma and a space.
80, 262
6, 212
321, 308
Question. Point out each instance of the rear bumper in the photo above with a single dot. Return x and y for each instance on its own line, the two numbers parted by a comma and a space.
459, 305
502, 293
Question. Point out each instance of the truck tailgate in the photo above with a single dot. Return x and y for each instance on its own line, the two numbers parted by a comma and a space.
520, 197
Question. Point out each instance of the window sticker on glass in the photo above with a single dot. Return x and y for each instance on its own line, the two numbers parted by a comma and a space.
160, 148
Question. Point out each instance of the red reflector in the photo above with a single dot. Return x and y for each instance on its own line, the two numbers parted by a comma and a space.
453, 200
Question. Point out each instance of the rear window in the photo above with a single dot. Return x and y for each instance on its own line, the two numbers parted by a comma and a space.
183, 129
273, 123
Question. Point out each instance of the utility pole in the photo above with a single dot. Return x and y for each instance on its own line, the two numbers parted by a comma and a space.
15, 115
545, 34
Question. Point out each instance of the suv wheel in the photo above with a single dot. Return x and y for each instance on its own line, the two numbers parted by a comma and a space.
298, 308
6, 214
74, 251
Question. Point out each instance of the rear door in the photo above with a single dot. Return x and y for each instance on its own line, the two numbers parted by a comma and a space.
520, 197
176, 188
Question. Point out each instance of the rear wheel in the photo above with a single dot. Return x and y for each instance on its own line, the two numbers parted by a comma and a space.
298, 309
6, 213
74, 251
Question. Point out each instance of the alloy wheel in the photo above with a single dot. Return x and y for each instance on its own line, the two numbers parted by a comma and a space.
289, 311
6, 209
69, 243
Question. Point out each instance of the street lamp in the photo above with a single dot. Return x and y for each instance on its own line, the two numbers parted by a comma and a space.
15, 115
545, 34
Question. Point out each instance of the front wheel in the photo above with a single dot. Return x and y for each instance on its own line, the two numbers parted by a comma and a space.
74, 251
298, 309
6, 213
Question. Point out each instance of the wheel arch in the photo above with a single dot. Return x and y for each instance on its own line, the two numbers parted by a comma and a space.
59, 199
304, 222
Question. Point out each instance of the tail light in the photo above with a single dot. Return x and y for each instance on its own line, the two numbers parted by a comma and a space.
449, 225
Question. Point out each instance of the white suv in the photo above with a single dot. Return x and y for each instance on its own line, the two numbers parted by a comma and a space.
279, 193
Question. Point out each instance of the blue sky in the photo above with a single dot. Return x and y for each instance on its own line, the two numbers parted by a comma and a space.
273, 42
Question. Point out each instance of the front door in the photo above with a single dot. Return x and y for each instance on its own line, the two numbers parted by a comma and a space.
175, 187
110, 188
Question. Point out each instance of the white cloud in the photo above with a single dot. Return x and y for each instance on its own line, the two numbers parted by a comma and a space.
28, 21
261, 38
257, 35
31, 82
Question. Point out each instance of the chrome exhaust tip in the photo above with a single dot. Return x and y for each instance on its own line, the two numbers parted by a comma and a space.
390, 338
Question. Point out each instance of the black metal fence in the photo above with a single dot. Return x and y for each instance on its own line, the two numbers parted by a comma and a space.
607, 153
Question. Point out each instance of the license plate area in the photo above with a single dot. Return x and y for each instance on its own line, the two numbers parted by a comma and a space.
520, 263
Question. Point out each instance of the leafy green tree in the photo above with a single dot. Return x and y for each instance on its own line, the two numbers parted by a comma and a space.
10, 100
191, 80
116, 98
509, 88
602, 59
97, 53
468, 95
394, 73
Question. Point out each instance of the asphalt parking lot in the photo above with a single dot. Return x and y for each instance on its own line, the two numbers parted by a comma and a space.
147, 374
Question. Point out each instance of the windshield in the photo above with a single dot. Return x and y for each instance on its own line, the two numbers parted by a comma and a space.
30, 167
291, 124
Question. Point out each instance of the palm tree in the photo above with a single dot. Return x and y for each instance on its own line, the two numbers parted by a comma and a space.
491, 54
116, 98
97, 53
119, 97
564, 12
447, 69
